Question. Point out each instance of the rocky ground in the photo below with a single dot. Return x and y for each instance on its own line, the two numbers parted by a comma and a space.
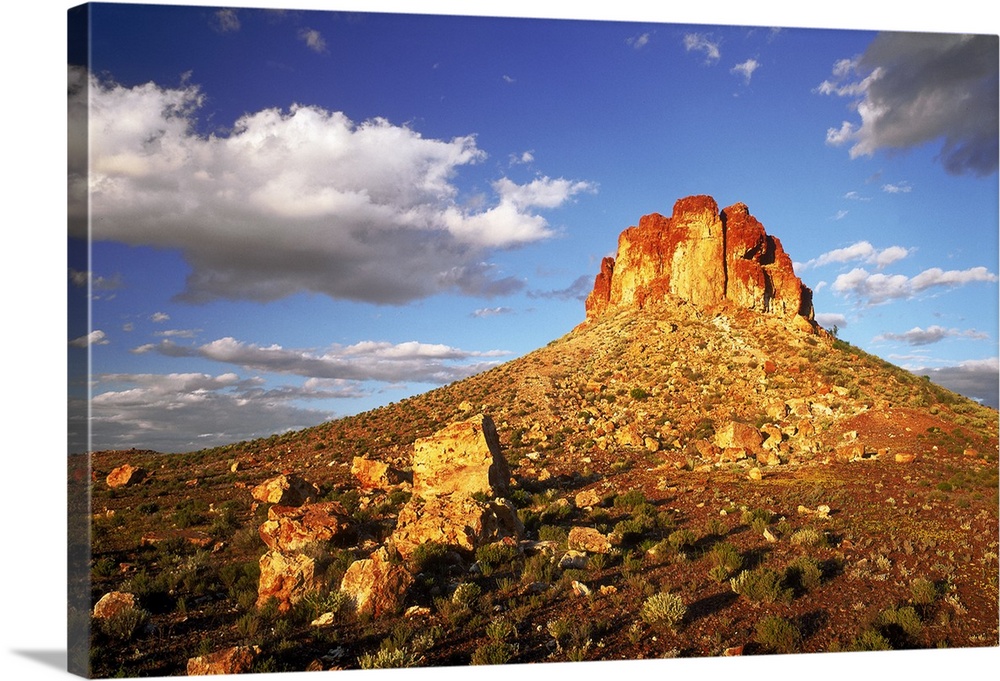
680, 481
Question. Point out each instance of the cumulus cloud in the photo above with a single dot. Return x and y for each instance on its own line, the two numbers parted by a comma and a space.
313, 39
911, 89
95, 337
159, 317
746, 69
859, 251
932, 334
82, 279
976, 378
186, 411
364, 361
700, 42
897, 188
873, 289
295, 200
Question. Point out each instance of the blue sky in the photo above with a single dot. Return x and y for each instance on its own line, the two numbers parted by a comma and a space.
299, 215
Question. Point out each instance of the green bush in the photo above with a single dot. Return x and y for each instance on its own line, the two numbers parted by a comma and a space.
869, 639
494, 652
663, 610
726, 560
808, 536
778, 634
804, 573
761, 585
124, 624
466, 594
922, 591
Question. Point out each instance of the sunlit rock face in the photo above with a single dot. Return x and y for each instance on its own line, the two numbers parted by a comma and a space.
703, 256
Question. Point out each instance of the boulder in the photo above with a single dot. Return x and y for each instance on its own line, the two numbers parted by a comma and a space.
588, 539
286, 578
463, 458
458, 521
736, 435
588, 498
291, 528
236, 660
126, 475
286, 490
113, 603
376, 585
372, 474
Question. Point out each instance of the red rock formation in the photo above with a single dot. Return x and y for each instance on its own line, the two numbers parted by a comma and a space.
703, 256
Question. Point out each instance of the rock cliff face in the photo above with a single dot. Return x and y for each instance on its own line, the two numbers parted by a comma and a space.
703, 256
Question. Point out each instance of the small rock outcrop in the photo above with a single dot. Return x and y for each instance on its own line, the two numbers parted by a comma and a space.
292, 528
126, 475
703, 256
112, 603
376, 585
236, 660
286, 490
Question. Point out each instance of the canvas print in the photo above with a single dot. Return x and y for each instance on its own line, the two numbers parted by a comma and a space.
410, 340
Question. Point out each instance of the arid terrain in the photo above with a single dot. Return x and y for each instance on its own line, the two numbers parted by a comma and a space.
671, 478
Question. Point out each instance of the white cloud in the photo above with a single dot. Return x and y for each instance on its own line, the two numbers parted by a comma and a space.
932, 334
898, 188
746, 69
492, 311
508, 79
700, 42
313, 39
298, 200
186, 411
840, 215
95, 337
158, 317
859, 251
639, 41
915, 88
873, 289
523, 158
365, 361
830, 319
227, 20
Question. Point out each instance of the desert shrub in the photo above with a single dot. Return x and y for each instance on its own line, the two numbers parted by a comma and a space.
632, 529
726, 560
761, 585
638, 394
714, 527
663, 610
539, 568
500, 629
808, 536
682, 539
804, 573
630, 499
104, 567
778, 634
757, 519
124, 624
899, 623
869, 639
494, 652
430, 557
922, 591
387, 658
553, 533
492, 556
466, 594
249, 626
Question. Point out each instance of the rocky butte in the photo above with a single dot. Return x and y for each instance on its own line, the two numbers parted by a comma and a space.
703, 256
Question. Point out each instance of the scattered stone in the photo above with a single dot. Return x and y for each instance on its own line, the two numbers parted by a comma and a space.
236, 660
770, 536
463, 458
196, 537
417, 611
113, 603
755, 474
608, 589
589, 540
126, 475
588, 498
580, 589
736, 435
324, 620
573, 560
902, 457
285, 490
735, 651
376, 585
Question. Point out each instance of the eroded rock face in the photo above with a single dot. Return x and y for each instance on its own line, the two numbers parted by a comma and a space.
376, 585
458, 521
703, 256
292, 528
372, 474
463, 458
